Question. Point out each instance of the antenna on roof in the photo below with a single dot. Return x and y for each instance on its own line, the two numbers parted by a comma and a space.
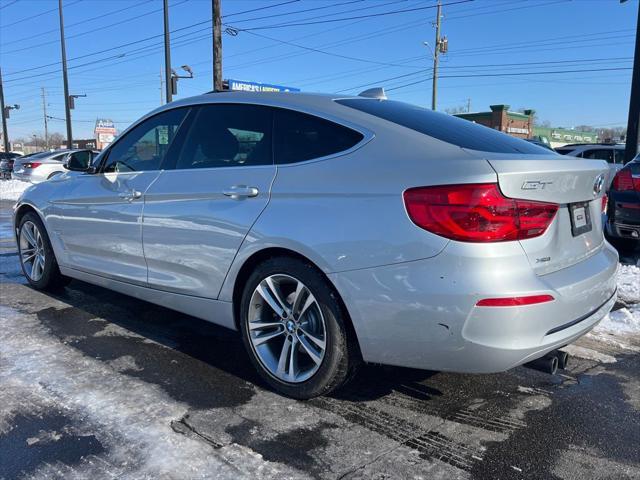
376, 92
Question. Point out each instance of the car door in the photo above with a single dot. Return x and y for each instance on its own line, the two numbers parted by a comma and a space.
200, 209
100, 221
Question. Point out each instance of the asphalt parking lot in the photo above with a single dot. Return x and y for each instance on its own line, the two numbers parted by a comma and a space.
95, 384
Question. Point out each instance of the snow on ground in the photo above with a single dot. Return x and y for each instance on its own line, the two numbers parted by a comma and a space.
12, 189
129, 417
624, 322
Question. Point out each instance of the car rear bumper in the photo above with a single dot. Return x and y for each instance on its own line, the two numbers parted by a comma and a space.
25, 177
423, 314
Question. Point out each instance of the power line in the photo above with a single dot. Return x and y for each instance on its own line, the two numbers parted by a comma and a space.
534, 42
514, 74
338, 55
8, 4
303, 11
262, 8
71, 25
371, 15
31, 17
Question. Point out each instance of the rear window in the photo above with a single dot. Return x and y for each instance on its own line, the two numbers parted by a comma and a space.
447, 128
300, 137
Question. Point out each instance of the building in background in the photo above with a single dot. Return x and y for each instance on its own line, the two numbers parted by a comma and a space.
105, 132
501, 118
558, 137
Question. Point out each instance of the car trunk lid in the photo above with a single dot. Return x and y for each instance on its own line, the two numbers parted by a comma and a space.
576, 185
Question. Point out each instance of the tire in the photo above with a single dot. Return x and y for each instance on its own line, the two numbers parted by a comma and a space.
317, 318
46, 275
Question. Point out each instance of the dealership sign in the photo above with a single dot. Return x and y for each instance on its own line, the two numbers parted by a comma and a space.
104, 131
241, 85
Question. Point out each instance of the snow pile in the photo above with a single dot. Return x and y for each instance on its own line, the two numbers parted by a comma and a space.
12, 189
625, 320
629, 284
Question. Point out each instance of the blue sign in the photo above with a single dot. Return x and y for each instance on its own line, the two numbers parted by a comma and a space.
241, 85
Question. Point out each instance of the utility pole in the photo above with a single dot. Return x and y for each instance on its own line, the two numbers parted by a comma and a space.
46, 120
217, 45
468, 105
436, 52
167, 52
161, 88
65, 79
5, 135
633, 124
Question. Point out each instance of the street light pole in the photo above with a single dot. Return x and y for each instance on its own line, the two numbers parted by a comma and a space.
5, 135
65, 79
633, 124
167, 53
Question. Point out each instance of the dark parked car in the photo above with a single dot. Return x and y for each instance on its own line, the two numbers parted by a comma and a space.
6, 163
623, 209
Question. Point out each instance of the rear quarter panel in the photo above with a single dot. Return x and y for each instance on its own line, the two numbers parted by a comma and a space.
347, 212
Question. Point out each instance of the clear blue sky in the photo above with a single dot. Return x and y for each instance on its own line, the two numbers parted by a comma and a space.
486, 37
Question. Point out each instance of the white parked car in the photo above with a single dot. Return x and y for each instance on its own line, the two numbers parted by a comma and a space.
612, 153
41, 166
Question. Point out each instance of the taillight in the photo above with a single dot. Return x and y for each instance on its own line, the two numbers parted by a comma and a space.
623, 181
605, 199
31, 164
477, 213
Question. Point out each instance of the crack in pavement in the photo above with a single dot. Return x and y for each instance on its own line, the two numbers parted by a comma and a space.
183, 427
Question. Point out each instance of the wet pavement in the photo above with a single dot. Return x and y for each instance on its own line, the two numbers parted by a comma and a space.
95, 384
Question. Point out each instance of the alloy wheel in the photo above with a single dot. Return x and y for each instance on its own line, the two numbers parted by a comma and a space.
287, 328
32, 251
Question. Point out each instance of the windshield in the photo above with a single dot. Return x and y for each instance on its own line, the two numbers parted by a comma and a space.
450, 129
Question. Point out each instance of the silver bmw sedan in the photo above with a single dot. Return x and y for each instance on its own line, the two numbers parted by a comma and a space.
331, 231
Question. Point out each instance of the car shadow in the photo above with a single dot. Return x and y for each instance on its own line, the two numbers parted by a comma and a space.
221, 350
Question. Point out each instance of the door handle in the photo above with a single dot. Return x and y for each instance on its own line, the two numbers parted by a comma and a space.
130, 195
241, 191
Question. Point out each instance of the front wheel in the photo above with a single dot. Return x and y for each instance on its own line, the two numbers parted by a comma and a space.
36, 255
293, 327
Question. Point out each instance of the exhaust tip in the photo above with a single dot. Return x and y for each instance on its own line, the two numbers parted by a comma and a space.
547, 364
563, 359
553, 365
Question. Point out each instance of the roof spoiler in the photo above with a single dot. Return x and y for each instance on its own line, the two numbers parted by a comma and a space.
376, 92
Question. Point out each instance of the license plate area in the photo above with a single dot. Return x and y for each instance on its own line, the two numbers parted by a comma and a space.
580, 218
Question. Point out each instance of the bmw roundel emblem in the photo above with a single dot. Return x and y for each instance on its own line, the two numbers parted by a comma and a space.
598, 184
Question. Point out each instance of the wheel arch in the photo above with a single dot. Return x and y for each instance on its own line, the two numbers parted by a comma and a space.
21, 211
251, 262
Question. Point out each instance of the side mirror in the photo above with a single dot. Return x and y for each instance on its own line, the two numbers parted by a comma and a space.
79, 161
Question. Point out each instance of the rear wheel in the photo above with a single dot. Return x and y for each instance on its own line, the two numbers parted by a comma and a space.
294, 329
36, 255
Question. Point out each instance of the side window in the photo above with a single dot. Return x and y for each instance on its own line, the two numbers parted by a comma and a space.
600, 154
144, 147
228, 135
300, 137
